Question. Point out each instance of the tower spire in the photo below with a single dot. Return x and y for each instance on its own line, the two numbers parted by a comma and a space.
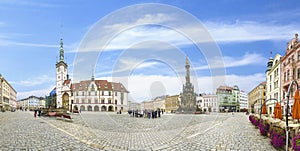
61, 51
93, 77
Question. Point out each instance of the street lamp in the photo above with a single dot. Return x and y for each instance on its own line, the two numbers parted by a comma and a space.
287, 110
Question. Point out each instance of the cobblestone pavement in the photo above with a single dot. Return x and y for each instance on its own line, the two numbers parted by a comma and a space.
111, 131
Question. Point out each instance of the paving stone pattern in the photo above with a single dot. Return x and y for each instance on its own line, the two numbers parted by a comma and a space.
111, 131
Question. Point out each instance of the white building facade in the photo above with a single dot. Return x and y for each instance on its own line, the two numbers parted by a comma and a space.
207, 102
243, 101
273, 92
31, 103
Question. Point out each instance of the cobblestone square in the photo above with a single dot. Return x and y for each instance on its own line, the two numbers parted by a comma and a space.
111, 131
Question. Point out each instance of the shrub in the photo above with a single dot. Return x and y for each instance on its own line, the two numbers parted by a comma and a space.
264, 127
277, 137
296, 142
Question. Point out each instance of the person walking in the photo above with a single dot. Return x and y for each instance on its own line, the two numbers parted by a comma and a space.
39, 112
158, 113
35, 111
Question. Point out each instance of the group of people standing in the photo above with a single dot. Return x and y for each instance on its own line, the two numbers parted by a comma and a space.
37, 112
146, 113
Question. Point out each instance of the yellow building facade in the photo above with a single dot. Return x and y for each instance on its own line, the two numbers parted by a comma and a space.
256, 97
171, 103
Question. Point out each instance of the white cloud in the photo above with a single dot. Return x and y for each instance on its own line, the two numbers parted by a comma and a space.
230, 61
239, 31
247, 31
39, 80
39, 93
8, 39
34, 44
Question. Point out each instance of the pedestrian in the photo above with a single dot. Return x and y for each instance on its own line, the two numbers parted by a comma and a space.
35, 111
39, 112
158, 113
152, 114
133, 114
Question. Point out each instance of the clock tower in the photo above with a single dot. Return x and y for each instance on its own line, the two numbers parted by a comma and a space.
61, 75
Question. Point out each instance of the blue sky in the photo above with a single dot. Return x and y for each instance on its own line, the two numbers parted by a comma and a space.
244, 31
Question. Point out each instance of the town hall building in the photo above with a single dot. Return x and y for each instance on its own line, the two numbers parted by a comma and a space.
87, 95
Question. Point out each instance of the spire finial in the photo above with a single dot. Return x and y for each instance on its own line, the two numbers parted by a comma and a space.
61, 51
93, 77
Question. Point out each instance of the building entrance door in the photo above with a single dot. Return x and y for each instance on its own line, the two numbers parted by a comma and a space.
65, 101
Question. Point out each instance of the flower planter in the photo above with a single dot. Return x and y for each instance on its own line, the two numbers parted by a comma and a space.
296, 142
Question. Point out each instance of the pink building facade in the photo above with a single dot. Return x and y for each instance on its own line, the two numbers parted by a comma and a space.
290, 69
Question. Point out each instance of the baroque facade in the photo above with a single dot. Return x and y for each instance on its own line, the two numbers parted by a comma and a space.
273, 83
257, 97
290, 69
207, 102
228, 98
87, 95
172, 103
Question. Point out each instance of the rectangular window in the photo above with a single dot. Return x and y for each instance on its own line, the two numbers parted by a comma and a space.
284, 78
116, 93
102, 92
298, 55
288, 75
298, 72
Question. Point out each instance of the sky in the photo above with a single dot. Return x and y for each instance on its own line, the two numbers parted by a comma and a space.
143, 44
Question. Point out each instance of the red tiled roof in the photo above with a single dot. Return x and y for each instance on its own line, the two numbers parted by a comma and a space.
225, 88
67, 82
103, 84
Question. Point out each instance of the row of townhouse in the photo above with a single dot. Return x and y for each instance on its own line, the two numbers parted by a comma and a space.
281, 71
